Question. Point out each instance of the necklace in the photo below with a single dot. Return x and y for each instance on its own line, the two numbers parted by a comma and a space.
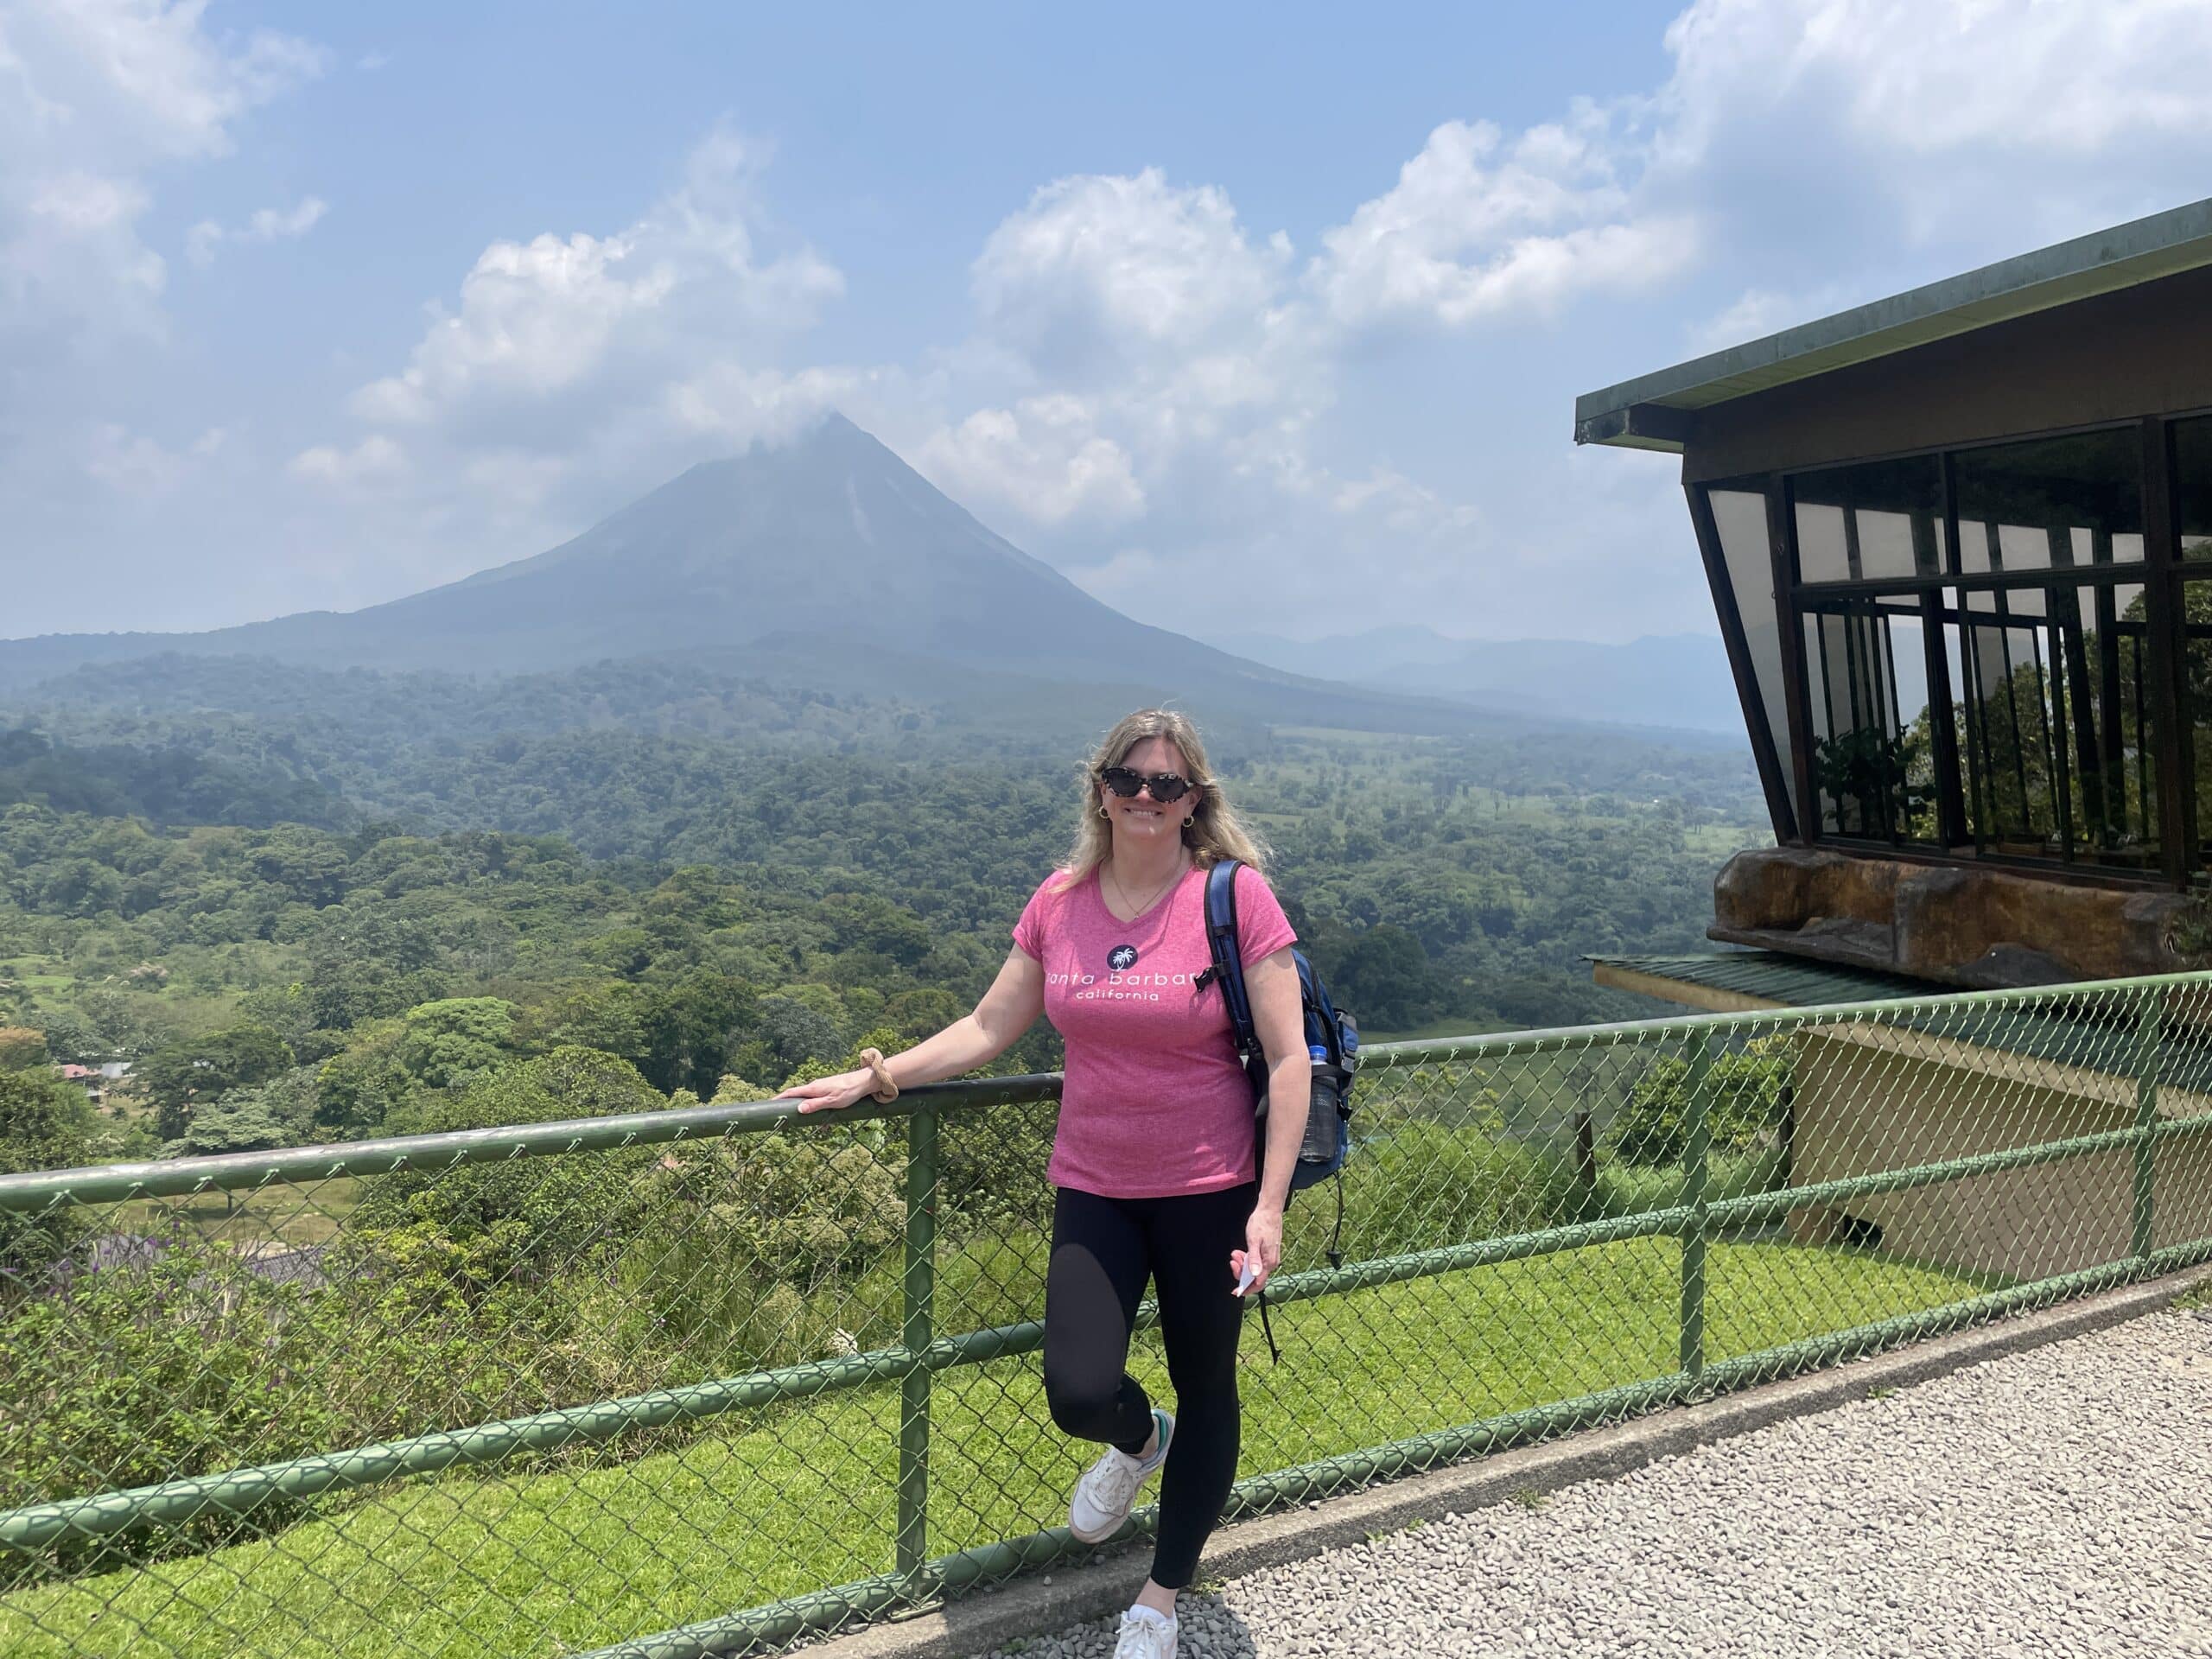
1152, 898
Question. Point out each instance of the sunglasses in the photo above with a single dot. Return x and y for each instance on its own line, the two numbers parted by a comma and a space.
1166, 787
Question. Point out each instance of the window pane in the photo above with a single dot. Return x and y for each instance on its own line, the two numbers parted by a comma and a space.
2197, 693
1867, 679
1739, 516
2193, 485
1881, 519
2051, 503
2054, 725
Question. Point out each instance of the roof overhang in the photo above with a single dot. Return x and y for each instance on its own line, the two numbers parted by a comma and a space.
1651, 411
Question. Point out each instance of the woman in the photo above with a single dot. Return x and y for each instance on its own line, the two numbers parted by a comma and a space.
1153, 1163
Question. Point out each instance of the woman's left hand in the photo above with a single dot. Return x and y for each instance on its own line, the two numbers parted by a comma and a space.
1262, 1249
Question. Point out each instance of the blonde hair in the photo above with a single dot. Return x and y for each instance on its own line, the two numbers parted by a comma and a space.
1215, 832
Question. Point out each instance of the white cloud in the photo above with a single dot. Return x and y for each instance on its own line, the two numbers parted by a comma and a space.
123, 460
1929, 77
1147, 385
584, 319
1395, 502
1478, 228
1929, 125
534, 318
1044, 458
202, 241
1125, 265
725, 402
575, 369
1758, 312
95, 96
266, 224
372, 464
1135, 349
270, 225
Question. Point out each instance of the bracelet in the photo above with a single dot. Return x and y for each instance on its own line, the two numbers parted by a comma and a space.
884, 1091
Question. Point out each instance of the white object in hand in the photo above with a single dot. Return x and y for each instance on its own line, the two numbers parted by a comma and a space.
1245, 1276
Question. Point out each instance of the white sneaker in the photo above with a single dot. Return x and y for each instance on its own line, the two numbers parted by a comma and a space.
1103, 1496
1143, 1638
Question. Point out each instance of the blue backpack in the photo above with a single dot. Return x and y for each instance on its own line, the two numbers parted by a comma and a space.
1331, 1033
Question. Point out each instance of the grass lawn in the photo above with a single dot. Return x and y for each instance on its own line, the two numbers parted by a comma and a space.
785, 1502
306, 1213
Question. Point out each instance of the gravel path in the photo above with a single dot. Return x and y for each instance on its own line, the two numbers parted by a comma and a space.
2051, 1503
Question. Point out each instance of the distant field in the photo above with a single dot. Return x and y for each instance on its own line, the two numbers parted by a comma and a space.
1719, 841
294, 1214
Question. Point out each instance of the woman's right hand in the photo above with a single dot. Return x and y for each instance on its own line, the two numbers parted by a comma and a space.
832, 1094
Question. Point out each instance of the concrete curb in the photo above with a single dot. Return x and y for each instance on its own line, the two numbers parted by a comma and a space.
1107, 1583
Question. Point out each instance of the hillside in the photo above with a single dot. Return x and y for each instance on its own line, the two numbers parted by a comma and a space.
1679, 682
827, 562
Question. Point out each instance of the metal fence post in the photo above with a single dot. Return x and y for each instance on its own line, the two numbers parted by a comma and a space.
919, 1330
2147, 1021
1697, 1142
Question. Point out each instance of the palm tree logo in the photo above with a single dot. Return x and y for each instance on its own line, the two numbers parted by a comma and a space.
1122, 956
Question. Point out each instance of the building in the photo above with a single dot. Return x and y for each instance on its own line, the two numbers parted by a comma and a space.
1960, 547
90, 1078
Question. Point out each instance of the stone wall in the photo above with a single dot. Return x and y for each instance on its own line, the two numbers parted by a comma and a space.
1975, 928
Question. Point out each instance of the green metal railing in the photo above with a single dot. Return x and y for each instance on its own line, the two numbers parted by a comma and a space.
1549, 1231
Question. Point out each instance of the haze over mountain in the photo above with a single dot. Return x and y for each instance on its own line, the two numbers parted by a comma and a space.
1680, 680
828, 562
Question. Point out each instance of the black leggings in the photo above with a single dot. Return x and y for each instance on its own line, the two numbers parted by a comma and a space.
1103, 1251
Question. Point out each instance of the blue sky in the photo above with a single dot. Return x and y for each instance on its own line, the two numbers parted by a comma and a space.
309, 307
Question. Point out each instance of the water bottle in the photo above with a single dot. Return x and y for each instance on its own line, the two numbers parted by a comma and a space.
1319, 1144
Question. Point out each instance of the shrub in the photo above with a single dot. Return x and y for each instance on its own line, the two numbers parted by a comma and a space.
1743, 1097
187, 1363
569, 1207
991, 1166
191, 1362
44, 1124
1425, 1184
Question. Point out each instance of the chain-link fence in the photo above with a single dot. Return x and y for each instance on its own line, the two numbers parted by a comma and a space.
700, 1381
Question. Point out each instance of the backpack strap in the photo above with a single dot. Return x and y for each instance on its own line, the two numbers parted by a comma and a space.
1228, 962
1228, 969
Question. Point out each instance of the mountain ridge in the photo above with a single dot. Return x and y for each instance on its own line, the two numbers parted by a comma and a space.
1683, 680
827, 562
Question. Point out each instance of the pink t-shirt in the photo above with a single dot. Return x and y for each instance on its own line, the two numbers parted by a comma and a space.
1154, 1102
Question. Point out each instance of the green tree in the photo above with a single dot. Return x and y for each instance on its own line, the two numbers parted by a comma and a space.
456, 1041
242, 1121
70, 1038
364, 1083
44, 1124
183, 1075
610, 1016
22, 1048
1382, 974
281, 1112
690, 1027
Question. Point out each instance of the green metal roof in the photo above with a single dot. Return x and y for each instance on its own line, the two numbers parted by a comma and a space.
1771, 977
2093, 1036
1635, 413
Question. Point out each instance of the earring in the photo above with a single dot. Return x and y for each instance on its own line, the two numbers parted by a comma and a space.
1103, 813
1187, 822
